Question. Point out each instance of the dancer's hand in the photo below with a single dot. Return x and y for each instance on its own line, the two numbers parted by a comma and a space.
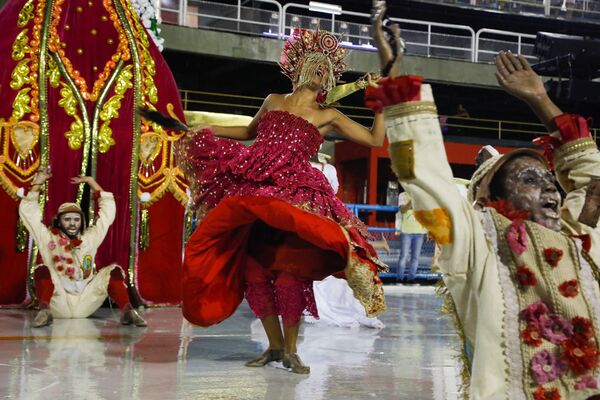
515, 76
372, 79
378, 11
41, 176
86, 179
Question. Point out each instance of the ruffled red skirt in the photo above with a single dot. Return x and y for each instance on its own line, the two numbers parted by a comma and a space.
278, 236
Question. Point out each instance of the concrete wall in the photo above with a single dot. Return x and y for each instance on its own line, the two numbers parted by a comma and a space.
263, 49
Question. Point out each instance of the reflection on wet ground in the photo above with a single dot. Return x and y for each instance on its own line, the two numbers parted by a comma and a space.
96, 358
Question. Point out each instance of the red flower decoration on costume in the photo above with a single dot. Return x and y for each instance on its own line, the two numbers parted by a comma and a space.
75, 242
553, 255
507, 209
532, 336
581, 356
56, 258
541, 393
69, 260
517, 237
569, 288
59, 268
586, 242
525, 276
582, 329
55, 230
68, 247
534, 313
70, 271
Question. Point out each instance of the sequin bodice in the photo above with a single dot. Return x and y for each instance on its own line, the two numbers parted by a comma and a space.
288, 133
275, 165
282, 149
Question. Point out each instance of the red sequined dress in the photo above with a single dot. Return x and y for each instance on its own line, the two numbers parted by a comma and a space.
247, 193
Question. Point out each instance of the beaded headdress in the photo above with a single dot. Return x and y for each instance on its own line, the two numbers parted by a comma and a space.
306, 50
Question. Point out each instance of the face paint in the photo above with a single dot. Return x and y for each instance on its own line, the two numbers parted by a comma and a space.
529, 186
70, 223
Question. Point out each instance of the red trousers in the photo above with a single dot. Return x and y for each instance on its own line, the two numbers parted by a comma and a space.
117, 290
271, 292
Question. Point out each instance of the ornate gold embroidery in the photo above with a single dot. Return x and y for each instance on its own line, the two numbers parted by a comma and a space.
149, 69
21, 104
20, 74
26, 14
20, 154
111, 108
69, 103
366, 286
53, 73
155, 144
21, 46
122, 52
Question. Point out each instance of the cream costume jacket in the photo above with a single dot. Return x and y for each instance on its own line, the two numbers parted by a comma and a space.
526, 297
78, 289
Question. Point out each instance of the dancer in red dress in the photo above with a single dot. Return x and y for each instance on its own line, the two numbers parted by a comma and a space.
271, 222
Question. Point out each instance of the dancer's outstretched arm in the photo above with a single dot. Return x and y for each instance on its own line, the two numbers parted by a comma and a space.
354, 131
238, 132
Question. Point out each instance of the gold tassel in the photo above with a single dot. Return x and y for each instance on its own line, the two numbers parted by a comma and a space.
144, 229
22, 236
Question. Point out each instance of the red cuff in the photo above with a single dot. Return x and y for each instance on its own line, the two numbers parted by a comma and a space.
393, 91
96, 194
572, 127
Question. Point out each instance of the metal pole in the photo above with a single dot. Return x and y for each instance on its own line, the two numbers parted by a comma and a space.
428, 39
181, 13
239, 14
499, 130
333, 23
547, 7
